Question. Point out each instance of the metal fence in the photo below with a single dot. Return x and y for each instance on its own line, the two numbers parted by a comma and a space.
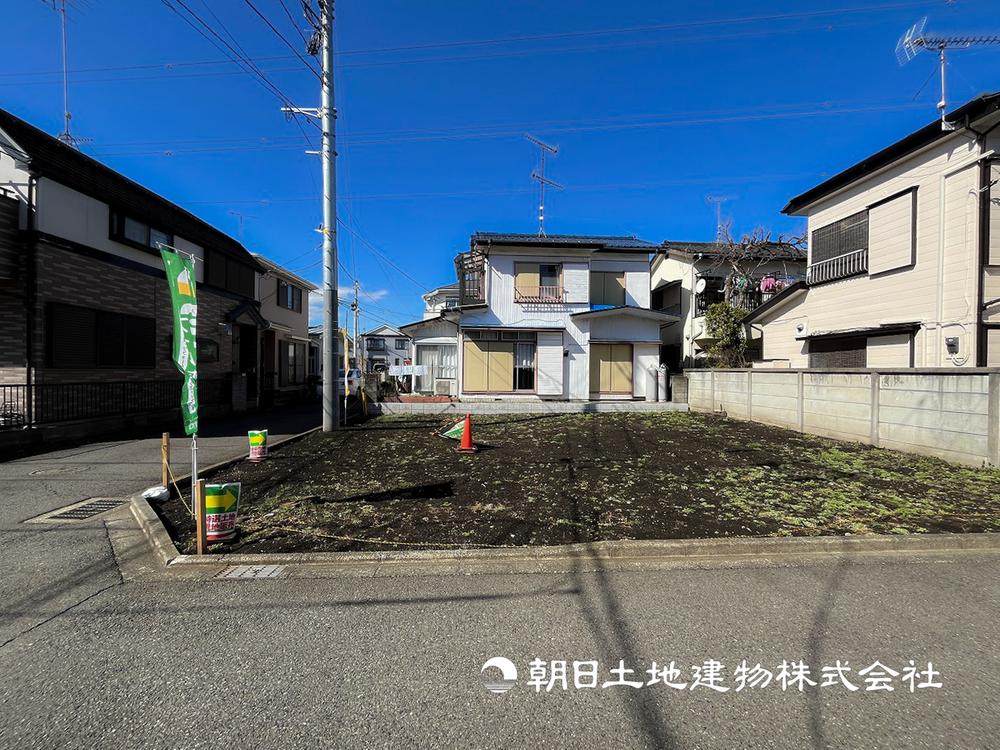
23, 405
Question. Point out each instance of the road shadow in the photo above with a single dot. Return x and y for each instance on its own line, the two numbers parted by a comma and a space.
814, 648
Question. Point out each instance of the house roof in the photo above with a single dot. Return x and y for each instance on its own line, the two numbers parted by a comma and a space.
427, 321
595, 242
780, 298
974, 109
273, 267
384, 330
776, 250
50, 157
639, 312
452, 287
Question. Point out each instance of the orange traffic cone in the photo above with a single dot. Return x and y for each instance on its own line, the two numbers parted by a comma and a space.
467, 445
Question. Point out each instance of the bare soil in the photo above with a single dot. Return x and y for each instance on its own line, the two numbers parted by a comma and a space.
392, 483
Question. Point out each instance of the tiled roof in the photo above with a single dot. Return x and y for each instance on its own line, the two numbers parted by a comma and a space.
776, 250
598, 242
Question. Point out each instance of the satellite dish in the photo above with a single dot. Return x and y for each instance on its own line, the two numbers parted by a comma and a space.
700, 286
911, 42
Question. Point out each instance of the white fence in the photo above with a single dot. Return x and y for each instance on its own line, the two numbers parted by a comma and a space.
951, 414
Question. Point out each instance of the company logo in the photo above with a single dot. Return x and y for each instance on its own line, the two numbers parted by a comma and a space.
508, 675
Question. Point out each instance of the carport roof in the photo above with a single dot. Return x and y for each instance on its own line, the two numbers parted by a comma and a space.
639, 312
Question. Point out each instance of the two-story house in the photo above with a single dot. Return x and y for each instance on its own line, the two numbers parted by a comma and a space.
904, 256
688, 277
285, 343
556, 317
87, 322
384, 347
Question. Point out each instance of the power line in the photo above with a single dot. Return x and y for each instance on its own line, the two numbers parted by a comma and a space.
364, 241
305, 61
291, 20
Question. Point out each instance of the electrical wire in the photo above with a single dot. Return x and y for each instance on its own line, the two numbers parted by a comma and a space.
304, 60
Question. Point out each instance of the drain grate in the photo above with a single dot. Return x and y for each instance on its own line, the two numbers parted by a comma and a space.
93, 507
81, 511
253, 571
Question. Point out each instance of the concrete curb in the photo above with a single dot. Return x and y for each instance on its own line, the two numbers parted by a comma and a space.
153, 527
611, 551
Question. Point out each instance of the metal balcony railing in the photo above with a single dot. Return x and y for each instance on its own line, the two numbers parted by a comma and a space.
840, 267
539, 294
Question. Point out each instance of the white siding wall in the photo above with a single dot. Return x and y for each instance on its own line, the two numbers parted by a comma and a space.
938, 291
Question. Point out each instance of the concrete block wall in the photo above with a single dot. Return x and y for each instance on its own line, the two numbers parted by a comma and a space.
936, 412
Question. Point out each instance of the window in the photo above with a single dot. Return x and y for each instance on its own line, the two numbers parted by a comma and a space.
81, 337
291, 363
208, 350
607, 288
228, 273
839, 352
289, 296
841, 237
499, 361
133, 232
714, 292
537, 282
376, 345
401, 343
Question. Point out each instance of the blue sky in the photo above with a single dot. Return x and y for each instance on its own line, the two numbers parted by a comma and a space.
653, 105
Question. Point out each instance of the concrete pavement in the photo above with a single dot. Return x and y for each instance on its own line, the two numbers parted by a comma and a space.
103, 647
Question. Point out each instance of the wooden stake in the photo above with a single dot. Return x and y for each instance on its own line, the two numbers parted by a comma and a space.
199, 513
165, 460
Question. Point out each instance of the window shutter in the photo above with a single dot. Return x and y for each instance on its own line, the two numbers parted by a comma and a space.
72, 336
526, 278
614, 288
891, 239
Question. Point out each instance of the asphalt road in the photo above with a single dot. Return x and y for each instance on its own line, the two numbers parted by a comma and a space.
100, 648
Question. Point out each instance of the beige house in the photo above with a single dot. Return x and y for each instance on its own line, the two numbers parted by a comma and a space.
904, 256
688, 277
285, 343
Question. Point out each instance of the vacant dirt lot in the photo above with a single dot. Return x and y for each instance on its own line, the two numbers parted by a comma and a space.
392, 484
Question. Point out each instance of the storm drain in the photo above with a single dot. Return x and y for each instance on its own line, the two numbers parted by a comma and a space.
81, 511
253, 571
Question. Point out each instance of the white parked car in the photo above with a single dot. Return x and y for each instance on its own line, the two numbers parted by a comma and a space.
353, 382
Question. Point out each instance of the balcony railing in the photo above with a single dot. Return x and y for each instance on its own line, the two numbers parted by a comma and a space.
539, 294
471, 271
840, 267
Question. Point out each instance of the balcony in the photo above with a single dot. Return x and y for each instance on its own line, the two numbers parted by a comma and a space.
840, 267
471, 271
538, 294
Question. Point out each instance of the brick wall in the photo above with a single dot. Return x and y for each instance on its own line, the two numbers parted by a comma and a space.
69, 277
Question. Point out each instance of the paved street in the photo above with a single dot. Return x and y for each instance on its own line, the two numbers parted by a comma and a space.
101, 647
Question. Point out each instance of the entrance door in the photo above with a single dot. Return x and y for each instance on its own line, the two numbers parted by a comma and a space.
248, 358
611, 369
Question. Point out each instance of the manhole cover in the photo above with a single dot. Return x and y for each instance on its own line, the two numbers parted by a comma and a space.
81, 511
253, 571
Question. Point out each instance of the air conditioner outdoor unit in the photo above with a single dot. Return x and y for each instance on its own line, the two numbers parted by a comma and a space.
444, 387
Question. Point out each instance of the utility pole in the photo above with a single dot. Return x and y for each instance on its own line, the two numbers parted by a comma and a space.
331, 328
327, 115
356, 307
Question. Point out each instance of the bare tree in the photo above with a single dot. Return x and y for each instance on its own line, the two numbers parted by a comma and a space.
740, 261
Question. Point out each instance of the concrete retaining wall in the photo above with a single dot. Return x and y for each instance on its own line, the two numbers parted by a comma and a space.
937, 412
525, 407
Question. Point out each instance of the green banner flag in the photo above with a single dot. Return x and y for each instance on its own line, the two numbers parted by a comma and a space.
180, 279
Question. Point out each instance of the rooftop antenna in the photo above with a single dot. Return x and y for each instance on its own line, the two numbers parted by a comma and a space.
66, 136
718, 200
241, 217
916, 39
538, 174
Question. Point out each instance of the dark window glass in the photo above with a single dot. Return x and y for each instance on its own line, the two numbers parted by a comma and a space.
215, 269
140, 341
110, 339
72, 336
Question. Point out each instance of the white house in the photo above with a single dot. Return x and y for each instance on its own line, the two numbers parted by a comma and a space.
384, 347
556, 317
440, 299
904, 256
688, 277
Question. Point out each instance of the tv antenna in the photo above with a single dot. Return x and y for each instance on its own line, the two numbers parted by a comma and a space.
66, 136
916, 39
718, 200
241, 218
538, 174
